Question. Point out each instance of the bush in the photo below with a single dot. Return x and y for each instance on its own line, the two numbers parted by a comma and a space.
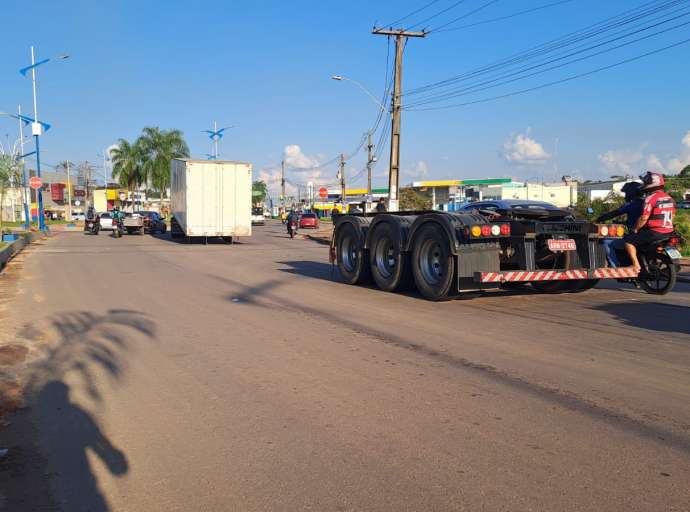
682, 225
599, 206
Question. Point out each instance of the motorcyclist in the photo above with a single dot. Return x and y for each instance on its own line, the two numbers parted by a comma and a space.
632, 209
91, 213
291, 219
656, 221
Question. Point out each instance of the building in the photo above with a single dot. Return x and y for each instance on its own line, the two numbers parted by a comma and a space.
449, 194
602, 189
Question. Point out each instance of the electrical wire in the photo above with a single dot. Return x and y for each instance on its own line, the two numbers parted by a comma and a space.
514, 76
557, 82
464, 16
426, 6
437, 14
621, 19
506, 17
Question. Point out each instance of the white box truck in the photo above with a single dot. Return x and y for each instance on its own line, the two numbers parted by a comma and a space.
210, 198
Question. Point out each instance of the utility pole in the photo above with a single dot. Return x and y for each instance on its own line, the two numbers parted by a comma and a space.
343, 192
69, 194
282, 182
370, 161
394, 171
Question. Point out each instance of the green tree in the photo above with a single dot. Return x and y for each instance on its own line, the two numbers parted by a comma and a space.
410, 199
158, 147
128, 162
597, 206
10, 177
259, 192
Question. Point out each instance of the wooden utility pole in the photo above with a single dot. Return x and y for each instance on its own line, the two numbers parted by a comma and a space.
282, 181
394, 172
370, 161
343, 192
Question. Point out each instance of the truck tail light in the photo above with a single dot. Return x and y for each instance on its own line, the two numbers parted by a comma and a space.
505, 229
603, 230
486, 230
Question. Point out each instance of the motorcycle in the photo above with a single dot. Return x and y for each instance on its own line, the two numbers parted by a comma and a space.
293, 229
92, 226
118, 227
660, 262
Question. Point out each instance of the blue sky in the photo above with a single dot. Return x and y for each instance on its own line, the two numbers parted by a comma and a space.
265, 66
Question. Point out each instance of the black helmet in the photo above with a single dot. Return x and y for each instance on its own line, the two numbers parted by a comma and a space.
632, 189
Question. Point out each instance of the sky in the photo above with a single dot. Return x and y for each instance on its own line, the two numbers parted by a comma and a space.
264, 67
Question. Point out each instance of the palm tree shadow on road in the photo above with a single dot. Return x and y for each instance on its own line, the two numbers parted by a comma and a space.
47, 466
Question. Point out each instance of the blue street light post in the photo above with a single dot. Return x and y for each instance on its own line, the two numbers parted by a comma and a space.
215, 135
37, 130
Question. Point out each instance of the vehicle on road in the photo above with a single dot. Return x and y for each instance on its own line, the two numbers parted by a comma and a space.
258, 218
292, 228
488, 244
134, 223
118, 227
153, 222
308, 220
106, 221
683, 205
92, 226
660, 263
210, 198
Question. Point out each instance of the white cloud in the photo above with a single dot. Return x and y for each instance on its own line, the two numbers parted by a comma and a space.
295, 158
627, 161
524, 150
622, 160
419, 170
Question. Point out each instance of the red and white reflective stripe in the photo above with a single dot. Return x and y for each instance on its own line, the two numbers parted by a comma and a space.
555, 275
614, 273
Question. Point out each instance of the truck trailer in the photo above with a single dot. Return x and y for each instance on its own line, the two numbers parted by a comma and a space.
444, 254
210, 198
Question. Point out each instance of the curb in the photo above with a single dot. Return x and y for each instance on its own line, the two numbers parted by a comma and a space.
9, 252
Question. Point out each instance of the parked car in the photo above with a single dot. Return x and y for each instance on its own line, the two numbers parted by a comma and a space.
684, 205
308, 220
153, 222
78, 216
106, 221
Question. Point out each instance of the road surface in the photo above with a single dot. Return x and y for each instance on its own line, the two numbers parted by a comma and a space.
164, 376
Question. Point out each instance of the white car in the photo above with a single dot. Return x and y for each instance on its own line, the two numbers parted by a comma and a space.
78, 216
106, 221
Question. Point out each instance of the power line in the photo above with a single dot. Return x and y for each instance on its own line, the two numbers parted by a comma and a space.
437, 14
556, 82
411, 14
621, 19
506, 17
514, 76
464, 16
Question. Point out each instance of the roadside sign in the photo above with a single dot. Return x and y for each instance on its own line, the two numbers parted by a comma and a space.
323, 192
35, 182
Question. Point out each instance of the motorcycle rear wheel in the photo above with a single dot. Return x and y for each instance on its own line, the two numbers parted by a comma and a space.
659, 275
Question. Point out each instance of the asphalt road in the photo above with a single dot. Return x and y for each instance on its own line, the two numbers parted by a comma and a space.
165, 376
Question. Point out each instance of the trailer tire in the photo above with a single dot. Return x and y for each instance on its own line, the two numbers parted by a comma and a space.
390, 267
433, 265
351, 256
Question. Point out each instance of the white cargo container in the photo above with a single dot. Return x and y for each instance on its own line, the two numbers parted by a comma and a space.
210, 198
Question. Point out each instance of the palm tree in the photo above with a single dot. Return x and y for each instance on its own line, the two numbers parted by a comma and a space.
159, 148
128, 162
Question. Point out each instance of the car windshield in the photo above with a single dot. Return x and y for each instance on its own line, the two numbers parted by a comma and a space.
534, 206
105, 216
257, 211
308, 215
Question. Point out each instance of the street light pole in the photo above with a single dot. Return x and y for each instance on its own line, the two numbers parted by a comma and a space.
36, 130
25, 190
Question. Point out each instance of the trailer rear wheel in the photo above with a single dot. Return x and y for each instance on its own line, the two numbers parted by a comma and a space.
390, 267
433, 265
351, 257
175, 229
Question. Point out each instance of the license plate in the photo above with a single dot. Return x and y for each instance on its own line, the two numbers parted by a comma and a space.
673, 253
562, 245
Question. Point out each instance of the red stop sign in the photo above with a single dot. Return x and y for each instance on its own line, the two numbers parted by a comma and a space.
35, 182
323, 192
